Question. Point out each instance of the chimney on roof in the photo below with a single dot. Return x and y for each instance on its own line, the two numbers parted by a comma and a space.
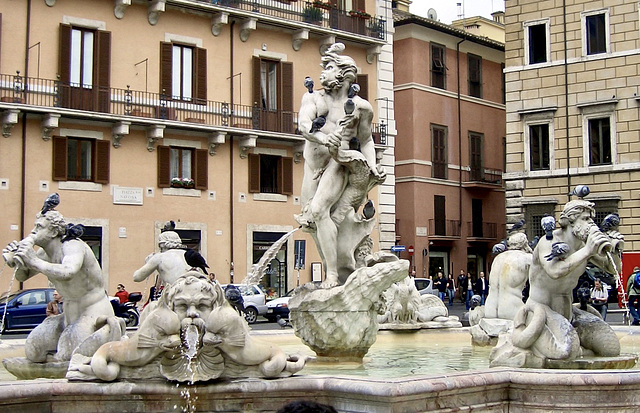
498, 17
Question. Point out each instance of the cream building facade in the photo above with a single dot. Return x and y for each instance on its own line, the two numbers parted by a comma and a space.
141, 112
572, 78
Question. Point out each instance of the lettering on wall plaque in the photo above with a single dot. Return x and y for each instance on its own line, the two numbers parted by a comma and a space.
127, 196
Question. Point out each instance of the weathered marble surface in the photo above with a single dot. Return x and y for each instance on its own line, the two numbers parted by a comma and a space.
342, 322
495, 390
192, 334
405, 309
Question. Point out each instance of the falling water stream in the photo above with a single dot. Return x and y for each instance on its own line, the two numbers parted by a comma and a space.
191, 339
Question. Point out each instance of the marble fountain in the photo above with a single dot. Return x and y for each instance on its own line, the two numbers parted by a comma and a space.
194, 352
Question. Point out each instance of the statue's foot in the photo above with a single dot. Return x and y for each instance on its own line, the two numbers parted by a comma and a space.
329, 283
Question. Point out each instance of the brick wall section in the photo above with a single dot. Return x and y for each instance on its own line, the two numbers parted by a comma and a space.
612, 76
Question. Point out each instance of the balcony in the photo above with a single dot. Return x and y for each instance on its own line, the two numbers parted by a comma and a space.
480, 178
444, 229
74, 101
482, 231
316, 12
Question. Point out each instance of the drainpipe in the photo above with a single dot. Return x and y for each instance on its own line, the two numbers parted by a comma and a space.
566, 92
23, 191
459, 135
231, 190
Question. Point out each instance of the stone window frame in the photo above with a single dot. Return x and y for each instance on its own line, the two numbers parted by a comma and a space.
539, 118
583, 28
526, 26
596, 110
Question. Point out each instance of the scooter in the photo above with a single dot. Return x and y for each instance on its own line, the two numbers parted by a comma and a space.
128, 311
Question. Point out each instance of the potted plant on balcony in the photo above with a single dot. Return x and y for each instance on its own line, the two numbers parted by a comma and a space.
321, 4
360, 14
313, 15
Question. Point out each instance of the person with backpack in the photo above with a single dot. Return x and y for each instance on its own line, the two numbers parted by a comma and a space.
633, 289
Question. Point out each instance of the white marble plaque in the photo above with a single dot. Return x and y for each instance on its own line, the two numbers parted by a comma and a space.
127, 196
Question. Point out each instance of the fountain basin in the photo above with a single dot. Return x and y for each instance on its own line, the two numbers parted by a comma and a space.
415, 372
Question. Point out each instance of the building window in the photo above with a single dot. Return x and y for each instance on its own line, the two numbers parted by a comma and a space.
84, 68
603, 208
596, 33
270, 174
475, 157
182, 167
537, 41
533, 215
439, 152
475, 75
438, 66
539, 146
80, 159
599, 141
273, 95
183, 72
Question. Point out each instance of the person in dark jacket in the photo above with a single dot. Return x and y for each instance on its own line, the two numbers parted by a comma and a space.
482, 287
462, 286
440, 284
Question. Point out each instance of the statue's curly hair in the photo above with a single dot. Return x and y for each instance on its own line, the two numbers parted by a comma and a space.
346, 64
56, 221
573, 209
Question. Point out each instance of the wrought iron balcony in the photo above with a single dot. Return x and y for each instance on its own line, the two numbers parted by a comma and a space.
316, 12
447, 228
127, 102
482, 178
482, 230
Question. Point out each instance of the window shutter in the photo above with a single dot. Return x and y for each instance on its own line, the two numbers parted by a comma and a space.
285, 177
59, 158
363, 82
64, 65
164, 166
359, 5
103, 70
256, 82
202, 169
287, 97
165, 68
254, 173
200, 76
101, 165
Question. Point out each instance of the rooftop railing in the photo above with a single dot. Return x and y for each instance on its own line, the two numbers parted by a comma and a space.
316, 12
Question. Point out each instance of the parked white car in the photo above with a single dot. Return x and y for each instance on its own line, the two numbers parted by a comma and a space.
424, 286
255, 301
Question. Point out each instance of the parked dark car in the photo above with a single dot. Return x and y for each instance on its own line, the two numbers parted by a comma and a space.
26, 308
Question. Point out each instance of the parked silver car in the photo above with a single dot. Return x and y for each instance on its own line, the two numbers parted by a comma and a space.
255, 301
424, 286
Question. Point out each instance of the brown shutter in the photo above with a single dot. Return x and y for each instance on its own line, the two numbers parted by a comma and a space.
64, 65
101, 165
166, 64
102, 70
164, 166
59, 158
200, 76
286, 74
254, 172
256, 83
359, 5
363, 82
202, 169
285, 177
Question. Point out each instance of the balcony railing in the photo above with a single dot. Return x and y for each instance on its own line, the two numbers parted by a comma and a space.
444, 228
488, 230
320, 13
127, 102
483, 176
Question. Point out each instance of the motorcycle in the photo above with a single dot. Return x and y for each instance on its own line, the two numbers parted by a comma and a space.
128, 311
